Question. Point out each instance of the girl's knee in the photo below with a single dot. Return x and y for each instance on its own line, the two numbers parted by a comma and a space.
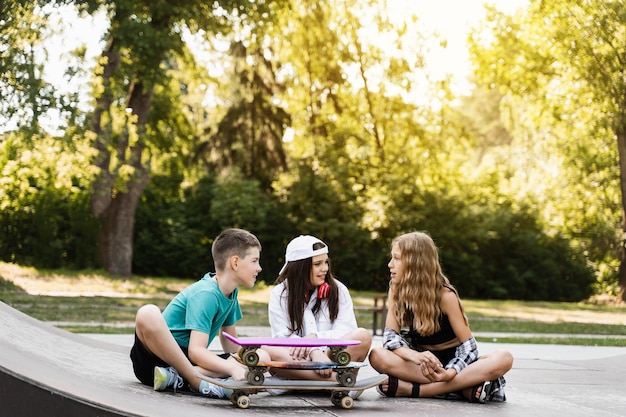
364, 336
502, 361
507, 360
264, 356
376, 358
360, 351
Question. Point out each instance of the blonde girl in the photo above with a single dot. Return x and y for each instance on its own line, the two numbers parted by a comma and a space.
428, 348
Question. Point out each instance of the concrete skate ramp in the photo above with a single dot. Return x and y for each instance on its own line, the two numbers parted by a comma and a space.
45, 371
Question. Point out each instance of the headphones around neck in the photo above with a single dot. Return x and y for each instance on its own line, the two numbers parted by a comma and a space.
323, 290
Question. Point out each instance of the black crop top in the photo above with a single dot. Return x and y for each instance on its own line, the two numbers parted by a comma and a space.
445, 334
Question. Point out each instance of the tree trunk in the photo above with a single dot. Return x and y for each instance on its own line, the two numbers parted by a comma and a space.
115, 239
123, 169
621, 146
115, 204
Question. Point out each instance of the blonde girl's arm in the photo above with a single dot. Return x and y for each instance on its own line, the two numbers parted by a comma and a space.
467, 351
392, 340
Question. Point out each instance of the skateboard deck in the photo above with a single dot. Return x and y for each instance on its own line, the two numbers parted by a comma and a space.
290, 341
339, 394
345, 374
309, 365
249, 345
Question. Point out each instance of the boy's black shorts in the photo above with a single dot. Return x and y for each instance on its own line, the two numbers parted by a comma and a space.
144, 361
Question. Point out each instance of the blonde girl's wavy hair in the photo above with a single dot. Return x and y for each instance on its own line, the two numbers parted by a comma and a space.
417, 294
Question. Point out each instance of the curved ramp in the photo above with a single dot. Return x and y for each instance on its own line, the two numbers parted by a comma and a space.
48, 371
45, 371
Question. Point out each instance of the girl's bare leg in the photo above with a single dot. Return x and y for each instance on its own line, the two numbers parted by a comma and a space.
487, 368
358, 353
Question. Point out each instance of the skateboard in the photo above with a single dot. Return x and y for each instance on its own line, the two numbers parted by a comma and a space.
339, 394
344, 374
249, 345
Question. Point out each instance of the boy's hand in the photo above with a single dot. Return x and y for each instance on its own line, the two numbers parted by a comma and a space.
239, 374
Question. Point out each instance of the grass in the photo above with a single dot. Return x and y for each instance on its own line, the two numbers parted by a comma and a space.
93, 302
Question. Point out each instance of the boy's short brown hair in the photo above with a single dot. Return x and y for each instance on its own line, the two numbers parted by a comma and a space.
232, 242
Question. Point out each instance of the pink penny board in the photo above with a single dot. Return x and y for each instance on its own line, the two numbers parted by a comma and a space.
289, 341
310, 365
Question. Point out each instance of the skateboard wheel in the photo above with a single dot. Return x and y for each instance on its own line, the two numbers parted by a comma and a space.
343, 358
335, 398
243, 401
347, 402
250, 358
255, 377
346, 379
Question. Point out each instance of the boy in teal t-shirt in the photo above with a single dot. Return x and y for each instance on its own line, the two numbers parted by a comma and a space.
171, 347
202, 307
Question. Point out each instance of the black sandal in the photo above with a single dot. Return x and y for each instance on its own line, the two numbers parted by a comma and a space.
485, 392
392, 388
415, 391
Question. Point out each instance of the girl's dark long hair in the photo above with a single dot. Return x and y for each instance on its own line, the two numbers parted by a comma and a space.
298, 277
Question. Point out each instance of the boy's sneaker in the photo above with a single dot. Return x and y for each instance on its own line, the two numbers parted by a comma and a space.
355, 394
167, 377
275, 391
213, 391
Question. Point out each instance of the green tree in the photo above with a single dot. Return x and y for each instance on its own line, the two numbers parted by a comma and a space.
142, 40
249, 135
24, 95
563, 63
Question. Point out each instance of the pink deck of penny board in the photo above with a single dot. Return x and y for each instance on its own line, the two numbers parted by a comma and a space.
290, 341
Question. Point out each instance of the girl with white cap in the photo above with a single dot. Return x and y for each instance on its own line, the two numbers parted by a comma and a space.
309, 302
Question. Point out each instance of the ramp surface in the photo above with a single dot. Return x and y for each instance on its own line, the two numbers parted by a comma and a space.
45, 371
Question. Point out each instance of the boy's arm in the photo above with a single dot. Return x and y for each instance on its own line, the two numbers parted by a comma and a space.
216, 366
227, 345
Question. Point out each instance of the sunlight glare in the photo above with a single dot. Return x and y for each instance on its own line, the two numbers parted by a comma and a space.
451, 20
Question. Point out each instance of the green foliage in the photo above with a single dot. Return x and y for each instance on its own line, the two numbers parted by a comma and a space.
164, 243
518, 191
44, 201
26, 96
249, 134
175, 229
512, 258
561, 70
496, 251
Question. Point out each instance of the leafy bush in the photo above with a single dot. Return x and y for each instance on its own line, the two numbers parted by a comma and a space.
175, 229
45, 217
501, 252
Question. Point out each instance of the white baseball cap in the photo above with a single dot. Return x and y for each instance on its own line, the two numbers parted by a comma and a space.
301, 247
